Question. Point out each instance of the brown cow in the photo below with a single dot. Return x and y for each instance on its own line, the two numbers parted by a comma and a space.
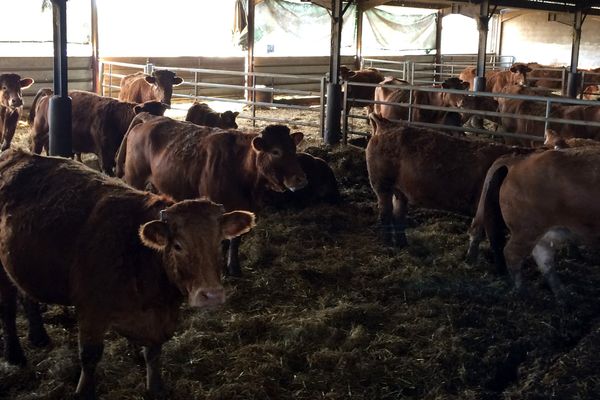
11, 104
440, 99
202, 114
554, 140
546, 76
415, 166
139, 87
367, 75
125, 259
591, 92
98, 124
321, 187
496, 80
539, 212
184, 160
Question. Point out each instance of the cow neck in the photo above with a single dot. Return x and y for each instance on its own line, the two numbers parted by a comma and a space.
250, 175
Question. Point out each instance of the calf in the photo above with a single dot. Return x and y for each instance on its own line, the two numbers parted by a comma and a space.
234, 168
497, 80
139, 87
98, 123
321, 185
368, 75
541, 213
202, 114
11, 104
421, 167
125, 259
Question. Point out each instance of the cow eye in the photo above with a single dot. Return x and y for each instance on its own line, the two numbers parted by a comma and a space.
177, 247
276, 153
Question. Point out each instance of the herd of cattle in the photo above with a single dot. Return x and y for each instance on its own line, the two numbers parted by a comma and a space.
127, 252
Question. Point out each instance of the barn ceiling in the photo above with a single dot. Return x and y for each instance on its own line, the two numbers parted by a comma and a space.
590, 6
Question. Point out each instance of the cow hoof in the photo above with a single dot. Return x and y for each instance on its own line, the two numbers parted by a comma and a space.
39, 339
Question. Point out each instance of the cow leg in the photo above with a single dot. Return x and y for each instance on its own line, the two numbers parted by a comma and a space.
400, 204
37, 333
154, 383
78, 157
13, 352
90, 352
386, 225
544, 255
10, 126
233, 261
515, 252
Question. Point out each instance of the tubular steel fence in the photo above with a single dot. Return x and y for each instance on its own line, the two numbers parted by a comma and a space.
546, 118
252, 99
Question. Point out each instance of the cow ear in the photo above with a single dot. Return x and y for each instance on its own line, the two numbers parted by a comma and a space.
235, 114
236, 223
177, 81
150, 79
297, 137
376, 121
155, 234
513, 69
258, 144
26, 82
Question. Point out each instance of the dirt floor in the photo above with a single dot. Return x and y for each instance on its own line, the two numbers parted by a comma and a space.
326, 311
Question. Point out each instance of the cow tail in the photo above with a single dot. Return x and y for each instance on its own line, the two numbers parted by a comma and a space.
488, 219
122, 153
41, 93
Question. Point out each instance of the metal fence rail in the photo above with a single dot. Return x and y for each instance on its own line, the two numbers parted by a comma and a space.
546, 118
196, 85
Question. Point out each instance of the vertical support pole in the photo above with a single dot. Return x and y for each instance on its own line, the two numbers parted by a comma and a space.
483, 27
345, 113
438, 47
359, 18
410, 101
334, 90
548, 109
59, 111
574, 76
249, 64
96, 84
322, 107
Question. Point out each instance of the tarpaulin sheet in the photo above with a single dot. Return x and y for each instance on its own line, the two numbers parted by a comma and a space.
400, 32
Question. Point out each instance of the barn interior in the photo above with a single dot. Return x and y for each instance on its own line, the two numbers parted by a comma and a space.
325, 309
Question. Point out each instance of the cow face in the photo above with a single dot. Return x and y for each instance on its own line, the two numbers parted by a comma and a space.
162, 82
10, 89
346, 73
152, 107
227, 120
519, 74
454, 99
276, 159
189, 235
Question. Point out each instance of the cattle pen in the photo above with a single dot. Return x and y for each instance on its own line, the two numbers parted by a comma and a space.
325, 308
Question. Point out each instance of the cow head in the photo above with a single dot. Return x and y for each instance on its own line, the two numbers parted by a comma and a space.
276, 159
189, 235
162, 82
346, 73
10, 89
454, 99
519, 74
153, 107
379, 123
227, 120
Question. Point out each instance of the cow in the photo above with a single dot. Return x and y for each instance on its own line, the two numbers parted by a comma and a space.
540, 213
321, 187
546, 76
440, 99
202, 114
123, 258
367, 75
140, 87
480, 103
408, 165
98, 123
553, 139
496, 80
11, 105
184, 160
591, 92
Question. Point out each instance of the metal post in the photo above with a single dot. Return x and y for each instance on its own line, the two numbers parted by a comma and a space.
249, 63
483, 27
96, 74
148, 68
410, 100
322, 107
345, 113
438, 45
548, 108
359, 26
59, 111
334, 90
574, 76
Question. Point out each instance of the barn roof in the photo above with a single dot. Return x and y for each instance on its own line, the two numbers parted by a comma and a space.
570, 6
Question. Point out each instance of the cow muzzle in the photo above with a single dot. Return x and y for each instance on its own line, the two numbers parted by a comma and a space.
295, 182
207, 297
